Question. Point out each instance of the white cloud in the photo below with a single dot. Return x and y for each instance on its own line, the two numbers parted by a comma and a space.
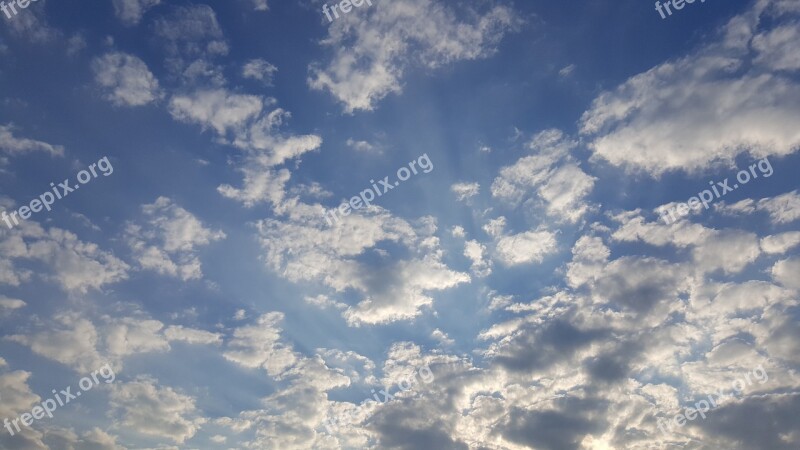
128, 336
130, 12
218, 109
495, 227
14, 146
786, 273
464, 191
724, 99
742, 207
85, 345
362, 146
323, 301
148, 408
125, 79
778, 48
780, 243
169, 240
303, 248
784, 208
259, 69
70, 340
17, 395
11, 303
258, 345
77, 266
442, 337
560, 185
66, 438
260, 5
191, 336
32, 26
371, 54
567, 71
405, 293
727, 250
254, 131
527, 247
76, 44
189, 34
475, 251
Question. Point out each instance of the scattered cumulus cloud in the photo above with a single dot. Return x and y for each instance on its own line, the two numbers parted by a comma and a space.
169, 239
370, 55
130, 12
125, 80
259, 69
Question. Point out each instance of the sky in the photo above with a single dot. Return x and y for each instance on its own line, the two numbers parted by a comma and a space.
478, 225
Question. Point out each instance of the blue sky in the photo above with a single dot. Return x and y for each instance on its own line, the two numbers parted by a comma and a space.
528, 270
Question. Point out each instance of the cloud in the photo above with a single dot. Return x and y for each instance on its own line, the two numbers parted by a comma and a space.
130, 12
552, 174
128, 336
190, 34
464, 191
70, 340
475, 251
260, 5
169, 240
567, 70
11, 303
405, 292
14, 146
363, 146
371, 54
76, 265
217, 109
94, 439
258, 345
777, 48
32, 26
253, 130
784, 208
191, 31
76, 44
526, 247
86, 344
712, 250
304, 248
780, 243
151, 409
18, 398
442, 337
17, 395
726, 98
259, 69
125, 79
785, 272
191, 336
